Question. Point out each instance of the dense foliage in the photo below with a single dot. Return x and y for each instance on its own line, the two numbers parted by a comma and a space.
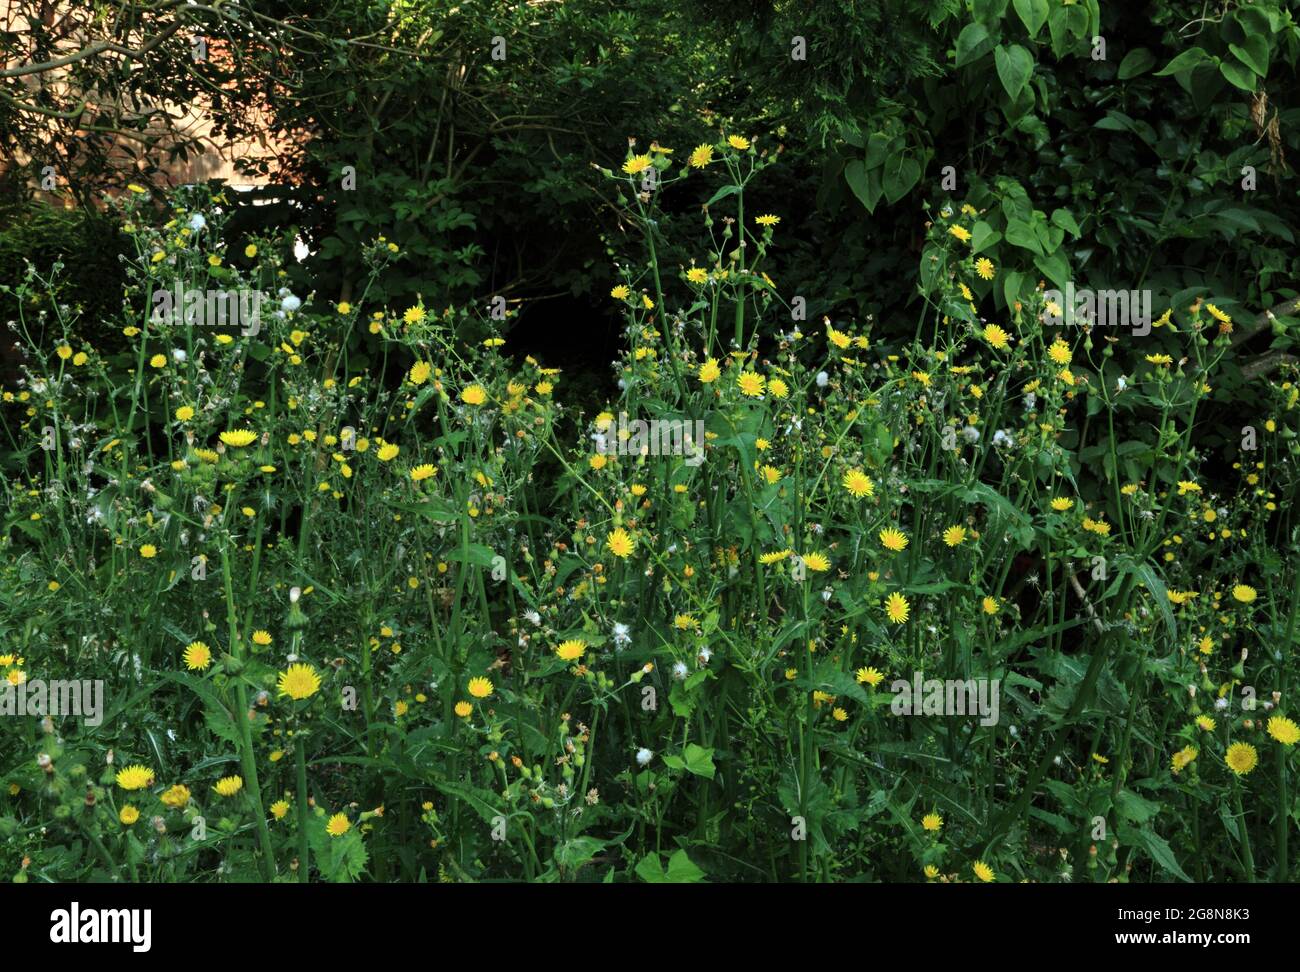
382, 585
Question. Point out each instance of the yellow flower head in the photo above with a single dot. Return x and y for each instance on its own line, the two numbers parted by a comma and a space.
238, 438
1241, 758
571, 650
870, 676
338, 825
473, 395
983, 871
1284, 730
858, 484
932, 822
198, 656
897, 608
892, 539
620, 543
480, 687
299, 682
228, 786
134, 777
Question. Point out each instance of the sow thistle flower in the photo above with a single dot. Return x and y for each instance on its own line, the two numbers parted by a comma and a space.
620, 543
464, 709
701, 156
636, 164
896, 608
1059, 352
422, 472
279, 809
473, 395
148, 551
869, 676
387, 452
1241, 758
134, 777
176, 797
1182, 759
892, 539
709, 371
228, 786
932, 822
858, 484
299, 682
420, 372
128, 815
750, 383
620, 292
997, 337
1244, 593
480, 687
1284, 730
984, 267
960, 232
954, 536
1062, 504
338, 825
238, 438
817, 562
198, 656
983, 871
571, 650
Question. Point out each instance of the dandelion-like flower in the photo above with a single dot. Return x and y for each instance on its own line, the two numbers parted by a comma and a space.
134, 777
299, 682
228, 786
1241, 758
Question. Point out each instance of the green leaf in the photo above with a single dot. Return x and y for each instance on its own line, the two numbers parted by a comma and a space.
1238, 75
973, 43
1252, 52
1185, 61
1015, 66
900, 175
1156, 846
855, 174
682, 870
1033, 14
1137, 61
982, 236
699, 761
1063, 219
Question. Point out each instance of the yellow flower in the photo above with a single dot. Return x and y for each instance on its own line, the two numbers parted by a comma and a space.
954, 536
158, 361
128, 815
463, 709
250, 251
750, 384
184, 413
1062, 503
932, 822
262, 637
420, 372
892, 539
148, 551
697, 275
176, 797
134, 777
838, 338
983, 871
709, 371
1244, 593
620, 543
701, 156
338, 825
858, 484
771, 474
637, 163
198, 656
997, 337
738, 142
767, 219
839, 715
896, 607
961, 232
1284, 730
870, 676
1059, 352
774, 557
228, 786
387, 452
1181, 758
279, 809
1241, 758
422, 472
989, 605
238, 438
473, 395
571, 650
298, 682
620, 292
778, 388
480, 687
817, 562
413, 315
984, 267
1206, 723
